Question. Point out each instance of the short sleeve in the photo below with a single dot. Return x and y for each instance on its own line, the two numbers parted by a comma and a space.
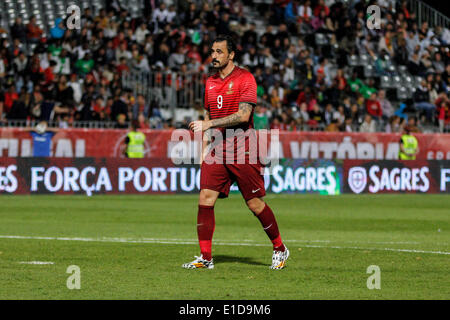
248, 89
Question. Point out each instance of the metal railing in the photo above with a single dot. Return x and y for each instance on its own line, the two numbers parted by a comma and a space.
426, 13
61, 125
170, 89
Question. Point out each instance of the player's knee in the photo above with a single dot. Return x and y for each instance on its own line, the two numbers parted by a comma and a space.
207, 198
256, 205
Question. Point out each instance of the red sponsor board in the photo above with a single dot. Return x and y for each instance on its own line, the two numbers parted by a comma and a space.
79, 143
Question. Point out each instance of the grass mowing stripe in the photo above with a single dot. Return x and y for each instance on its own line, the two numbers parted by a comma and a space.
218, 242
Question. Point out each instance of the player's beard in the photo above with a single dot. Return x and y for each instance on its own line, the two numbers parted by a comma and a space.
220, 67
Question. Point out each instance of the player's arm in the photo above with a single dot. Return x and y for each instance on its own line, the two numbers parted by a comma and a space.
241, 116
206, 138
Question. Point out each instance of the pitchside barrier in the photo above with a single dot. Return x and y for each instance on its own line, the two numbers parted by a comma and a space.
109, 143
92, 176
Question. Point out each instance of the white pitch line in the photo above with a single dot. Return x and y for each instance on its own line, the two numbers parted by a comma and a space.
36, 262
217, 242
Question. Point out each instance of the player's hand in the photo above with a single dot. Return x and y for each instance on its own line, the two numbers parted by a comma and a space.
199, 126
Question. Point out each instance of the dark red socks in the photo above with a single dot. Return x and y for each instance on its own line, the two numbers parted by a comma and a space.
205, 229
270, 226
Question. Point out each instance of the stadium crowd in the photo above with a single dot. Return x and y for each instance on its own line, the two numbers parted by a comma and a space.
76, 75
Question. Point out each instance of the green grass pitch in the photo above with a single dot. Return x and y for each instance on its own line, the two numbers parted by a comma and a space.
132, 247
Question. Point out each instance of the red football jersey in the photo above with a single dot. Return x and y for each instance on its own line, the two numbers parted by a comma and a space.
222, 96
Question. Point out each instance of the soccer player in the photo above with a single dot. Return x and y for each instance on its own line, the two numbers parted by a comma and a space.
230, 95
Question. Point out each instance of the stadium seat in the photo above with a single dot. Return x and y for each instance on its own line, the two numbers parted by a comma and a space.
402, 93
391, 68
417, 81
408, 81
353, 60
385, 82
365, 60
321, 39
402, 69
369, 71
397, 82
333, 71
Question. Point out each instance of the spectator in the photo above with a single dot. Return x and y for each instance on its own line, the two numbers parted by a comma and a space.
141, 107
63, 63
422, 100
123, 52
368, 125
414, 65
18, 30
304, 12
172, 15
386, 43
19, 108
84, 65
339, 115
387, 109
75, 84
141, 33
10, 96
316, 117
120, 107
347, 125
321, 7
139, 62
177, 59
250, 58
304, 115
355, 83
250, 37
121, 121
438, 64
42, 136
64, 93
20, 64
328, 114
444, 116
57, 32
357, 115
160, 15
412, 124
260, 118
332, 127
34, 33
393, 125
373, 107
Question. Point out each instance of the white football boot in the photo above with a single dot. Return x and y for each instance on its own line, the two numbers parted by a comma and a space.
199, 263
279, 259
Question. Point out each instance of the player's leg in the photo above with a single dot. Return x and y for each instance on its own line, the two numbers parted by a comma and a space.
206, 221
214, 182
251, 185
269, 223
205, 229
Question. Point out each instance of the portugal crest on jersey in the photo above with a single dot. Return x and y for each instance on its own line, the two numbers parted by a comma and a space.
230, 88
